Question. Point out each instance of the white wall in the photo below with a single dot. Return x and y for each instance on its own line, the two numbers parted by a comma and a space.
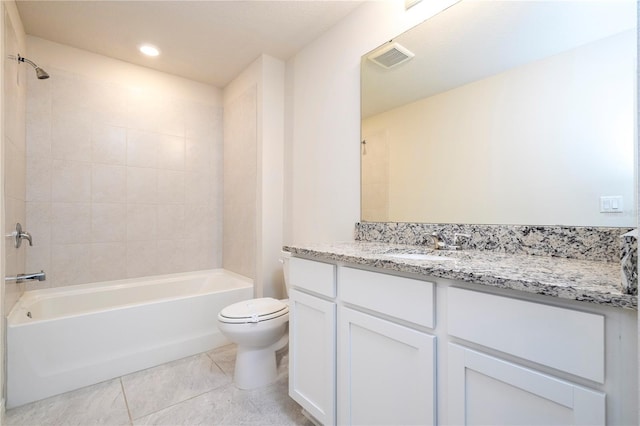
449, 161
124, 169
323, 120
254, 178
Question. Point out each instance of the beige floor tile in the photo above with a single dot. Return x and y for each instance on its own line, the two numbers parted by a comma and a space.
100, 404
192, 391
159, 387
225, 358
223, 406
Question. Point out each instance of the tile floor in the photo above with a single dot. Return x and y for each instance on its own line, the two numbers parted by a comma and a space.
197, 390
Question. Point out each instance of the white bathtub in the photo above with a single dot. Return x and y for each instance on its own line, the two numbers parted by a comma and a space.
65, 338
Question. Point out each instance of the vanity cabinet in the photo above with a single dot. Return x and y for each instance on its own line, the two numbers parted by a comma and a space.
369, 347
484, 389
386, 374
386, 361
312, 338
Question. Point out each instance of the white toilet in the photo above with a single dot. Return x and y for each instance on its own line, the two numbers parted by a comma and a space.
259, 328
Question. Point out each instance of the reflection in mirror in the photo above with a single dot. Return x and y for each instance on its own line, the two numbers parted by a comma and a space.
510, 112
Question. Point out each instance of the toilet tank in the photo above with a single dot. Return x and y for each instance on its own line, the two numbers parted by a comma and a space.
284, 259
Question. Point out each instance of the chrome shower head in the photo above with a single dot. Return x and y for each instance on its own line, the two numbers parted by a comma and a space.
40, 73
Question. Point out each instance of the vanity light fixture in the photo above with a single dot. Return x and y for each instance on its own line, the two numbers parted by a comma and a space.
149, 50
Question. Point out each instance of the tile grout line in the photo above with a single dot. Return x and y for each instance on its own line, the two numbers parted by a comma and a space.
126, 402
175, 404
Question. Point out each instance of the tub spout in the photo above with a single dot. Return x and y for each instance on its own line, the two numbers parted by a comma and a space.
40, 276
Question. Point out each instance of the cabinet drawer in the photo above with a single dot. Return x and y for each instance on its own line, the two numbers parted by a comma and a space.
564, 339
314, 276
404, 298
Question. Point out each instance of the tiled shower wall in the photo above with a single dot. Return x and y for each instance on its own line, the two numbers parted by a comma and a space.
240, 192
14, 160
121, 182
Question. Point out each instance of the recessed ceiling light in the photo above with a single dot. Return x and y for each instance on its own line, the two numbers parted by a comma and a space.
149, 50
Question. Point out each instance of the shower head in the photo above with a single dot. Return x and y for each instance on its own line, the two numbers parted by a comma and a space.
40, 73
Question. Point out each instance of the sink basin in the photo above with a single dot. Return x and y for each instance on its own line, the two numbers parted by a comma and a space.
418, 256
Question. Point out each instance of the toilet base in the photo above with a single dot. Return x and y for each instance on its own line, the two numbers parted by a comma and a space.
255, 367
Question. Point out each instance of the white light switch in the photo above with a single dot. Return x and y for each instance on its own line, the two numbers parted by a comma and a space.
611, 204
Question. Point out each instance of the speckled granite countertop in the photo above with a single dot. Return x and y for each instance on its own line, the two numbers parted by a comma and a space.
582, 280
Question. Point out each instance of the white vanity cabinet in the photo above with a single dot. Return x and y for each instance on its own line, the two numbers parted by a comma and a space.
486, 390
369, 347
490, 384
386, 361
312, 338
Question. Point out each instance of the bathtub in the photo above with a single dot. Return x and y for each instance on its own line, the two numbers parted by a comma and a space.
65, 338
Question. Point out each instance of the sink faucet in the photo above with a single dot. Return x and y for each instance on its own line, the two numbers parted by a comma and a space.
439, 242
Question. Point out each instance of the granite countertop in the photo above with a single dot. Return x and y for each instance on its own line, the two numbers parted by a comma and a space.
582, 280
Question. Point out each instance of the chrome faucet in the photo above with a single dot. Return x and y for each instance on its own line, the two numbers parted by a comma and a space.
40, 276
439, 243
438, 240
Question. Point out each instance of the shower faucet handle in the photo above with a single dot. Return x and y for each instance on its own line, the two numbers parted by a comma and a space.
21, 235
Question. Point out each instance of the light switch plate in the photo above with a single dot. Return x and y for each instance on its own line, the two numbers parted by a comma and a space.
611, 204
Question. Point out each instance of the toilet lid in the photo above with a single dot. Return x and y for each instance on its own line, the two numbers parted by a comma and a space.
253, 310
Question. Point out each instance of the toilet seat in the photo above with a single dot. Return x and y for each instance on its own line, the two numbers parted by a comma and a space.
253, 311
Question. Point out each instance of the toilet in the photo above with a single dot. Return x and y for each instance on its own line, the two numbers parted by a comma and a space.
259, 328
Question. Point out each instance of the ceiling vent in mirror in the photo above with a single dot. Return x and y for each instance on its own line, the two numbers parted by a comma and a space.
391, 55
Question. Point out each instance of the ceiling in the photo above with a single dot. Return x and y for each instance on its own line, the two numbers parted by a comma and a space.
210, 41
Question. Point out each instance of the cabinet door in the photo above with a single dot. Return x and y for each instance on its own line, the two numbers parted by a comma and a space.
483, 390
312, 352
387, 372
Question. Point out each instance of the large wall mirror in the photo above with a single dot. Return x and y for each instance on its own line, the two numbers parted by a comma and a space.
509, 112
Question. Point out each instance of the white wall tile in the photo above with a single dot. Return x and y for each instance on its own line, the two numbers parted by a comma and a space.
15, 171
69, 92
108, 184
142, 185
170, 187
70, 223
198, 187
199, 155
38, 223
171, 222
201, 121
71, 135
38, 133
70, 182
173, 257
109, 104
195, 256
39, 179
141, 222
39, 259
171, 152
108, 261
108, 144
142, 148
70, 264
108, 222
142, 258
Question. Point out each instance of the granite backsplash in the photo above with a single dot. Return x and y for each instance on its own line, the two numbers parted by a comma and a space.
585, 243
